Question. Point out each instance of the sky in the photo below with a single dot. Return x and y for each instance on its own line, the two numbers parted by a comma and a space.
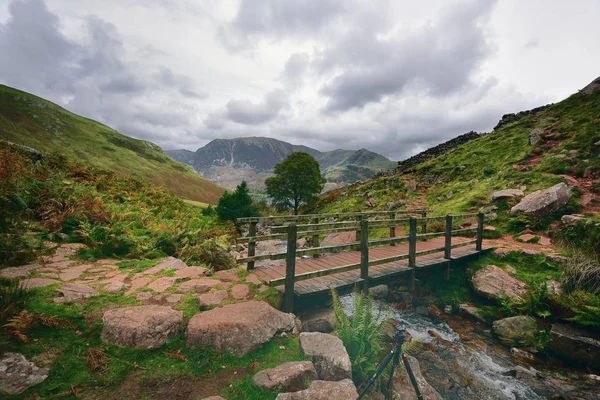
395, 77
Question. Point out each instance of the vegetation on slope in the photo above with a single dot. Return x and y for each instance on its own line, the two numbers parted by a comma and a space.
29, 120
115, 215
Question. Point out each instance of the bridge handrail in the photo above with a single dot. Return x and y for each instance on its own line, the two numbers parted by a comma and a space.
286, 218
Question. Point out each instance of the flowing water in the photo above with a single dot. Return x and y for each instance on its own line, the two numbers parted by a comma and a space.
461, 359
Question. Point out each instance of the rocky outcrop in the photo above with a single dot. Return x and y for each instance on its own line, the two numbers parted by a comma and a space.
594, 86
318, 321
17, 374
436, 151
322, 390
506, 194
328, 354
237, 328
496, 284
403, 389
519, 330
543, 202
575, 345
146, 327
289, 377
514, 117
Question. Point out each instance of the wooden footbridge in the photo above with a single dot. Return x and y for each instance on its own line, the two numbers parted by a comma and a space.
387, 244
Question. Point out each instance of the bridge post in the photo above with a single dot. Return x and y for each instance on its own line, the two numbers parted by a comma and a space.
424, 223
412, 251
290, 268
251, 245
315, 238
364, 253
448, 245
479, 243
358, 230
393, 229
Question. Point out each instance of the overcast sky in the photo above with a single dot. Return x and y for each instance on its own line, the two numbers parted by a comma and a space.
392, 76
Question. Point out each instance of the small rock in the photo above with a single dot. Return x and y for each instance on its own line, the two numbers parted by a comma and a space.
161, 284
323, 390
435, 313
571, 219
139, 283
144, 296
328, 354
556, 259
211, 299
200, 285
71, 292
72, 273
22, 271
190, 272
301, 243
379, 292
240, 292
322, 320
489, 228
448, 309
146, 327
534, 136
449, 195
166, 263
37, 282
522, 354
229, 275
252, 278
214, 398
471, 311
503, 195
588, 173
173, 298
527, 237
510, 270
114, 286
288, 377
519, 330
17, 374
554, 288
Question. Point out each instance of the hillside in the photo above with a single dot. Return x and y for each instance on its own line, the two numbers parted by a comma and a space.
229, 161
534, 150
31, 121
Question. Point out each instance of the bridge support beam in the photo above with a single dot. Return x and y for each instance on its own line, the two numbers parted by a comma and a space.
479, 243
412, 251
448, 245
290, 268
364, 253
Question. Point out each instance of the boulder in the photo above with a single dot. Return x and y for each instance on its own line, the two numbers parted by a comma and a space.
17, 374
495, 283
212, 299
402, 387
506, 194
322, 390
379, 292
237, 328
571, 219
519, 330
146, 327
322, 320
328, 354
543, 202
71, 292
288, 377
575, 345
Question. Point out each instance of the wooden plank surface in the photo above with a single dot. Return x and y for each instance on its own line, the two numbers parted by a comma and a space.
350, 278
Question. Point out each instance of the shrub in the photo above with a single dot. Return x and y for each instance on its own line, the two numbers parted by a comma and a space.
581, 271
361, 334
13, 297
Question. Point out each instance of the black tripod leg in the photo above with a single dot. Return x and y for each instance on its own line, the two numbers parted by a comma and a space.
395, 362
371, 381
411, 376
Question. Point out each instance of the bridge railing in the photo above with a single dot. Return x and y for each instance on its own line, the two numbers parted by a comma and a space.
470, 224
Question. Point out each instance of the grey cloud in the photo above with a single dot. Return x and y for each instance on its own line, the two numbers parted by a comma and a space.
248, 113
295, 69
439, 59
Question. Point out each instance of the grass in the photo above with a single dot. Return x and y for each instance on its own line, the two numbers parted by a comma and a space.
29, 120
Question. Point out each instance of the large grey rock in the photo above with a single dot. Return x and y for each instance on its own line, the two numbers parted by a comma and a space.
71, 292
322, 320
496, 284
237, 328
506, 194
17, 374
328, 354
288, 377
543, 202
403, 389
147, 327
322, 390
575, 345
519, 330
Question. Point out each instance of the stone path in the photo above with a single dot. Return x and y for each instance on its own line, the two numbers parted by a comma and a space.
166, 283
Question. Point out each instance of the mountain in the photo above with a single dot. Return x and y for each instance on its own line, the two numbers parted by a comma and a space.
32, 121
534, 149
229, 161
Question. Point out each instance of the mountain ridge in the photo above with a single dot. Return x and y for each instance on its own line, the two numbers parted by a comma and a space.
229, 161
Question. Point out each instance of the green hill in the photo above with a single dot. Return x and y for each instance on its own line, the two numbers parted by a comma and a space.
31, 121
554, 144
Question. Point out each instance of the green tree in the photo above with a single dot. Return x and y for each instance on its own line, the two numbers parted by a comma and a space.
237, 204
297, 180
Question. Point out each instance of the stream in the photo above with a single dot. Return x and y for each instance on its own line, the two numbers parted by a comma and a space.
465, 361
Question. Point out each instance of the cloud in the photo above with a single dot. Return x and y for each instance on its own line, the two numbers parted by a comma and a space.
248, 113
